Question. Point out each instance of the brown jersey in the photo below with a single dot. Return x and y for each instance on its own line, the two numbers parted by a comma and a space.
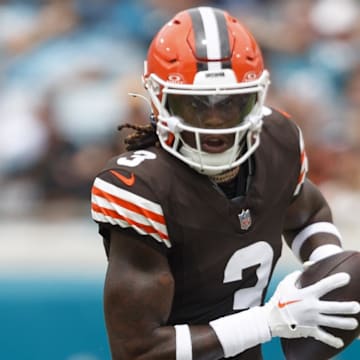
221, 251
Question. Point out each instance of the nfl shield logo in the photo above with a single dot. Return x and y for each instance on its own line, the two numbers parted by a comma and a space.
245, 219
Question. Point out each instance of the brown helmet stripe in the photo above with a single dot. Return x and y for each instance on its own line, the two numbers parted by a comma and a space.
211, 38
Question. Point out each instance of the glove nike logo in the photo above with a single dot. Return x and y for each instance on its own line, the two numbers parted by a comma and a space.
129, 181
286, 303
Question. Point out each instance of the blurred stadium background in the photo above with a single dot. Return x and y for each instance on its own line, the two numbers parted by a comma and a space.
65, 69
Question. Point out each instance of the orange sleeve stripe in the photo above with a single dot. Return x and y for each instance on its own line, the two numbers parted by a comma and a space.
301, 177
113, 214
128, 205
302, 157
282, 112
303, 172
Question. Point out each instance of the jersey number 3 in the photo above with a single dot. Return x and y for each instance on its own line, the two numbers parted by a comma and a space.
261, 254
136, 158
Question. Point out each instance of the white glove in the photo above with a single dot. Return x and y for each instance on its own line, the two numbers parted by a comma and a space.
294, 312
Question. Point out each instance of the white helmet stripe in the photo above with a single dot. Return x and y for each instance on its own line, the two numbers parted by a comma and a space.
212, 37
212, 41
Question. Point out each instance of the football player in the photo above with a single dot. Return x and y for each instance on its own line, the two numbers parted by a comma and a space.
193, 215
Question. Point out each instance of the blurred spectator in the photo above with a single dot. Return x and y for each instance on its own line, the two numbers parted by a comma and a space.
312, 48
352, 107
54, 18
66, 67
23, 137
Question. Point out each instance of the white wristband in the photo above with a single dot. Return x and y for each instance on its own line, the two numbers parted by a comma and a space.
242, 331
304, 234
324, 251
183, 342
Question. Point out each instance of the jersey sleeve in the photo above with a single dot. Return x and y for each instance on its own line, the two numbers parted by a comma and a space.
282, 127
117, 205
304, 166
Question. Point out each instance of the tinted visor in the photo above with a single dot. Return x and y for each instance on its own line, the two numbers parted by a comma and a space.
211, 111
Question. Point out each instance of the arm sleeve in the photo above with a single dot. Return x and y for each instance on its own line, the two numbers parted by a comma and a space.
111, 204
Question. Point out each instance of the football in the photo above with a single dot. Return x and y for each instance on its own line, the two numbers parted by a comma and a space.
309, 348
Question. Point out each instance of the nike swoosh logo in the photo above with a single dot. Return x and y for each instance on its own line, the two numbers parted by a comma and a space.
286, 303
129, 181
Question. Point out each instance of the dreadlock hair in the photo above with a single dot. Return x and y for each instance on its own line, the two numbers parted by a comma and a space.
143, 137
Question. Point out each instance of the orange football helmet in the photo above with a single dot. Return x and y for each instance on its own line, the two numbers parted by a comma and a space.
207, 83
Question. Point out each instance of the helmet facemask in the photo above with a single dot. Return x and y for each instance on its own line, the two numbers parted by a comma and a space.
210, 127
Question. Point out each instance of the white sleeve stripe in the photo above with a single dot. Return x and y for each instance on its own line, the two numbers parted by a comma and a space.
128, 196
108, 219
324, 251
303, 164
301, 180
301, 140
98, 216
113, 214
183, 342
120, 207
304, 234
128, 213
95, 192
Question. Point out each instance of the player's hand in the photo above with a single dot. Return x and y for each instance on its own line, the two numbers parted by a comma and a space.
294, 312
